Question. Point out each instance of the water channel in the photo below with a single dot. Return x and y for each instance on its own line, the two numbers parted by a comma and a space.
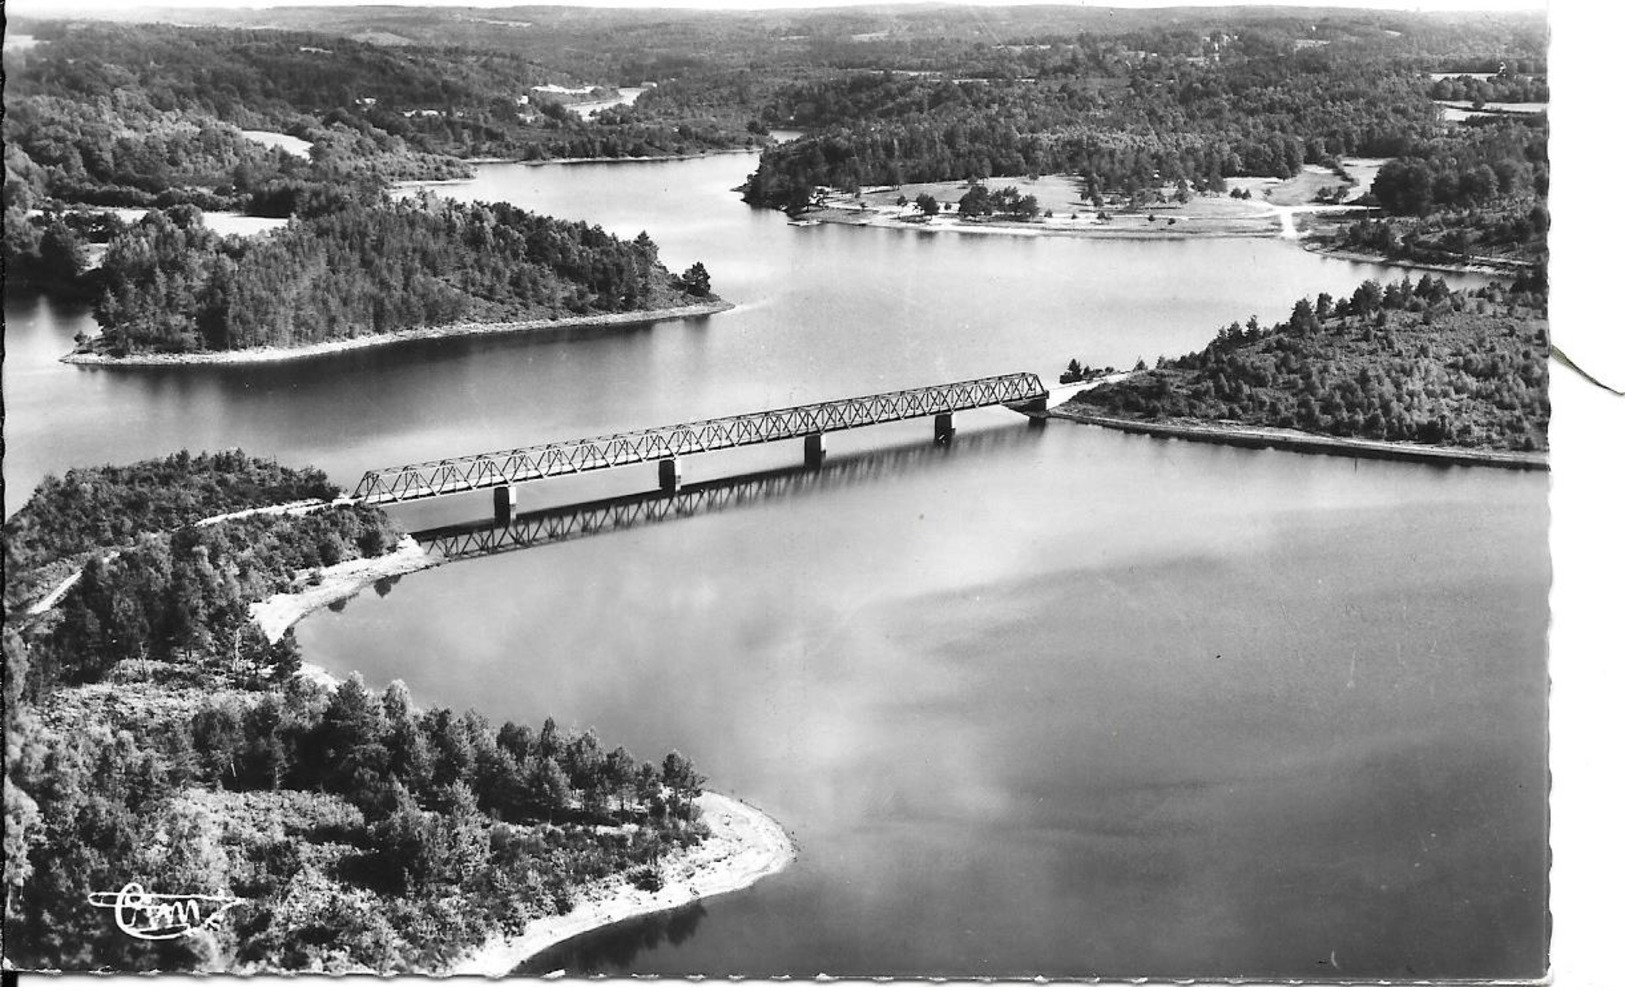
1045, 701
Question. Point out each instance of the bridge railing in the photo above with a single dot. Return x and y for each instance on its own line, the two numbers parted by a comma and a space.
500, 468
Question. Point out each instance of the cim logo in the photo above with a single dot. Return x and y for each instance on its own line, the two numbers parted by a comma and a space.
150, 915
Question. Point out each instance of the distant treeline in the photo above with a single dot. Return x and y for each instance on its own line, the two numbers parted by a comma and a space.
1406, 362
629, 46
149, 115
170, 284
1253, 106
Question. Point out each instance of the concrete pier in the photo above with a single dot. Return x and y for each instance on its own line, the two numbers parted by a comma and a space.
671, 475
944, 431
812, 448
505, 498
1034, 408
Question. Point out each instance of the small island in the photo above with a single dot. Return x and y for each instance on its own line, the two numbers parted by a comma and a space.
1408, 370
355, 270
156, 734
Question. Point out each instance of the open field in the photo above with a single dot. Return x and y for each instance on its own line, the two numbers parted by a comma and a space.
1296, 191
1268, 212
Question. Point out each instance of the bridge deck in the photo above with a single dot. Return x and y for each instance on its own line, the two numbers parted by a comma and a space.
498, 468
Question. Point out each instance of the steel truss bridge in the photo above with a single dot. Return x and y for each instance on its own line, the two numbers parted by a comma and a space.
502, 470
542, 527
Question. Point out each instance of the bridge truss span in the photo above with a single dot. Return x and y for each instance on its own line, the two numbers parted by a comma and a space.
503, 469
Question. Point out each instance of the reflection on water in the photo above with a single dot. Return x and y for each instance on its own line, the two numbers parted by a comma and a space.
1065, 702
558, 524
823, 312
616, 948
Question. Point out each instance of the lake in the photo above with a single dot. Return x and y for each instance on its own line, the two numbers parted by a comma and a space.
1049, 701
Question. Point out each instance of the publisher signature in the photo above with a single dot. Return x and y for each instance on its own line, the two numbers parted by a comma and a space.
151, 915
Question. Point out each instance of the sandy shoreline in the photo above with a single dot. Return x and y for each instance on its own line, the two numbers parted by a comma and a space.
1299, 441
255, 356
276, 614
745, 846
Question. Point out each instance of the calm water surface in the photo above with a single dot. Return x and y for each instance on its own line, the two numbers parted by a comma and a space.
1053, 701
823, 312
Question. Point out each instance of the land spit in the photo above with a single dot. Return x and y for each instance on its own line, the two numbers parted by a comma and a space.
1238, 435
745, 845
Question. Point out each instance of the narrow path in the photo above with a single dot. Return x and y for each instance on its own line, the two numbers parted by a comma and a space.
299, 508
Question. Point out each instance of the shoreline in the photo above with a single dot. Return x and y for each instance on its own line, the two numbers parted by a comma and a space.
610, 160
746, 845
1298, 441
1203, 228
278, 614
1372, 258
270, 355
1301, 223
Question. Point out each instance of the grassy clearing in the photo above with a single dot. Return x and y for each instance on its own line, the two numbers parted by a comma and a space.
1071, 213
1296, 191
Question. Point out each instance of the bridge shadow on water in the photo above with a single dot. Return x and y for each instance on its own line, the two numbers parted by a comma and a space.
615, 949
541, 527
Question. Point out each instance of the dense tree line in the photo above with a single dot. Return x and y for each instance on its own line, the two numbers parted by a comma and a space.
185, 594
1126, 118
110, 507
1466, 167
1399, 362
1495, 89
360, 831
44, 253
361, 268
1477, 192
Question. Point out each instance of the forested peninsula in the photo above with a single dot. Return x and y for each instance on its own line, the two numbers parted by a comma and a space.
153, 733
1414, 365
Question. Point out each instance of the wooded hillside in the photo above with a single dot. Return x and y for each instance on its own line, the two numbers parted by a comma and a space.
1405, 362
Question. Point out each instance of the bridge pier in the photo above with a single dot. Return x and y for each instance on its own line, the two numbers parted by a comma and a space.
813, 449
671, 475
504, 499
1034, 409
944, 430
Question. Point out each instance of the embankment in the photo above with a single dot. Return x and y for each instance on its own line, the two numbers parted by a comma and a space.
1297, 440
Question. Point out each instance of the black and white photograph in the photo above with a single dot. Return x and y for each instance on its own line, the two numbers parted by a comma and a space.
925, 490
